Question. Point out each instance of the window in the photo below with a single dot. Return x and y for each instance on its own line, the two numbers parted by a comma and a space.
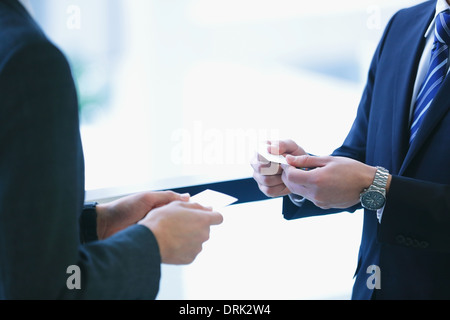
177, 94
182, 90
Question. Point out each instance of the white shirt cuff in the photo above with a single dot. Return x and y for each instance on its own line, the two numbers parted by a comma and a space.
297, 200
380, 214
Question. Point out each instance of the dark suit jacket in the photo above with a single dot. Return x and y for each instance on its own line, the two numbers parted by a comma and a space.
42, 182
412, 244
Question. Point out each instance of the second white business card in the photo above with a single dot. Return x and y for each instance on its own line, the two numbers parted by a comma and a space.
265, 155
214, 199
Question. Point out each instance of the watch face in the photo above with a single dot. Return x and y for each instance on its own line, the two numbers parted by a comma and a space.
373, 200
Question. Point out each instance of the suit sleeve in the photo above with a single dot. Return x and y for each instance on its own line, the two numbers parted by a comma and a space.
417, 215
42, 193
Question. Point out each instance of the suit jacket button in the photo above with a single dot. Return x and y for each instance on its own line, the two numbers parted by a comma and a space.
409, 242
400, 239
424, 245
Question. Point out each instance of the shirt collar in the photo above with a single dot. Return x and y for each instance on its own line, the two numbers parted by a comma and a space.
441, 5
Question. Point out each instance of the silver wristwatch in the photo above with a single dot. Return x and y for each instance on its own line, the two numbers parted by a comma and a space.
374, 198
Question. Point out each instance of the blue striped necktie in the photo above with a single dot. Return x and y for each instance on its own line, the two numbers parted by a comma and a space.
436, 74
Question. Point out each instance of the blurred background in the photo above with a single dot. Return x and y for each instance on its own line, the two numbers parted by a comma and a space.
180, 92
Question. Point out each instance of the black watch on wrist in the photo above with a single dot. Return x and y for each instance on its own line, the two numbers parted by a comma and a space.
374, 198
88, 223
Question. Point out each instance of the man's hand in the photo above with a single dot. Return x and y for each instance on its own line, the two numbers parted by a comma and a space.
181, 228
332, 182
118, 215
269, 175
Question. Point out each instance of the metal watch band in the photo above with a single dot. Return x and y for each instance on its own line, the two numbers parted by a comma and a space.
381, 178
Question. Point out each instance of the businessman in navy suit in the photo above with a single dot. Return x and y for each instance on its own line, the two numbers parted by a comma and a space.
398, 171
52, 245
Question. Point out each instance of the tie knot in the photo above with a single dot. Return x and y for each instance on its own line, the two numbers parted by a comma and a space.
443, 27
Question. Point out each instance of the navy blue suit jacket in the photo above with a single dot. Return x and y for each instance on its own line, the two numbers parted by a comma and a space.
42, 182
411, 246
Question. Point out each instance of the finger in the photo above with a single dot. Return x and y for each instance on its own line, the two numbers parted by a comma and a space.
268, 181
296, 186
267, 169
273, 169
258, 161
295, 176
185, 197
307, 161
195, 206
158, 199
215, 218
276, 148
211, 217
170, 195
264, 166
283, 147
276, 191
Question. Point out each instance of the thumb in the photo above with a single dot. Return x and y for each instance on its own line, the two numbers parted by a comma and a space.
215, 218
306, 162
160, 199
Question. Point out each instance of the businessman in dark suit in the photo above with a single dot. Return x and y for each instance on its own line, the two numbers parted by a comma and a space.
395, 162
45, 227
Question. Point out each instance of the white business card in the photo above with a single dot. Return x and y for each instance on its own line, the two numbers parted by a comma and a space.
266, 156
214, 199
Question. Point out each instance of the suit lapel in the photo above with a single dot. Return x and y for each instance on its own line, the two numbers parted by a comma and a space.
438, 108
403, 94
412, 43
